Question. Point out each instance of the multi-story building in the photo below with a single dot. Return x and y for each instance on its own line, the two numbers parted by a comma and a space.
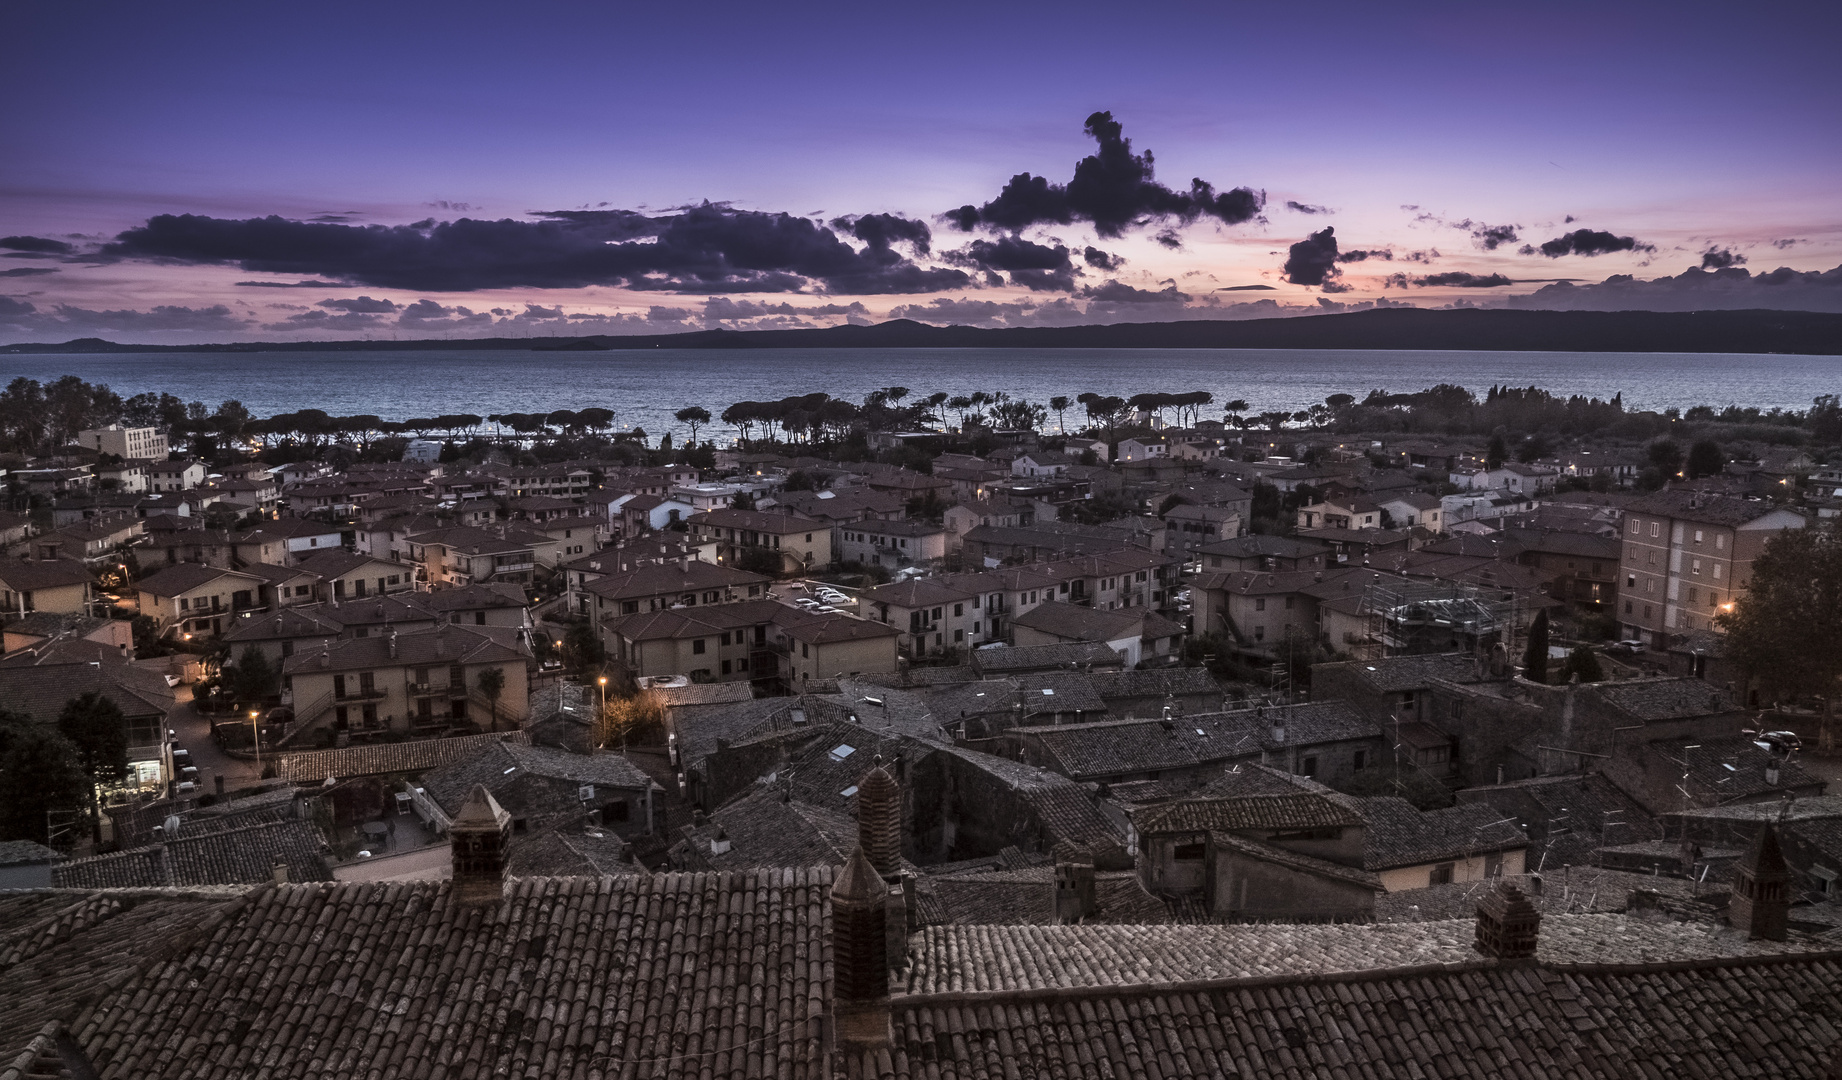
175, 475
786, 542
145, 443
1686, 554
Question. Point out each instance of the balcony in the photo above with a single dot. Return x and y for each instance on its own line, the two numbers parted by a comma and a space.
361, 693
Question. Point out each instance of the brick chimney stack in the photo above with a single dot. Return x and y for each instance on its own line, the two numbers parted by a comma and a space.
1508, 925
1074, 890
879, 820
1761, 903
859, 956
478, 839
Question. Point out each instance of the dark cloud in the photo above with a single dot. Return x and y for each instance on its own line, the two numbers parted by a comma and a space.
360, 305
36, 244
1247, 288
287, 284
1590, 242
1782, 245
68, 321
1306, 208
1101, 260
1037, 267
349, 215
1695, 289
455, 207
1491, 237
429, 315
882, 230
1359, 255
1720, 259
28, 271
1118, 292
1113, 188
1313, 260
348, 322
1452, 279
1488, 237
708, 248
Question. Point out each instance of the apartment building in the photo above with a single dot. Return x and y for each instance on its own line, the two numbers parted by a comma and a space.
789, 542
1685, 554
145, 443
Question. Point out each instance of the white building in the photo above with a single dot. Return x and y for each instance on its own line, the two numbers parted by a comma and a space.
139, 442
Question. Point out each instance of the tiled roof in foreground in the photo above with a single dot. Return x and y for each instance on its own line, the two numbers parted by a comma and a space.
1019, 958
675, 975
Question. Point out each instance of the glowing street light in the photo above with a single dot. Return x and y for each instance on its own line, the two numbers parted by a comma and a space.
256, 733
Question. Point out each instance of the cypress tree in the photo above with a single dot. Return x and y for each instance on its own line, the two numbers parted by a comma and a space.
1535, 660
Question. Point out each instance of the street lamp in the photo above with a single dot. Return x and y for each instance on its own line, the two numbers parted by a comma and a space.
604, 695
256, 733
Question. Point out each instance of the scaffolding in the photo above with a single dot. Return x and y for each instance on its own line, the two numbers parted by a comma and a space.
1410, 618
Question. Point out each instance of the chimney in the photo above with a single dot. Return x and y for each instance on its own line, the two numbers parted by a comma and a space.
879, 820
860, 964
278, 872
1279, 730
1771, 772
1761, 902
390, 643
478, 839
1074, 891
719, 844
1507, 924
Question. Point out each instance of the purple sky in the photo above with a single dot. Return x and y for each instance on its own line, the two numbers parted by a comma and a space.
1677, 136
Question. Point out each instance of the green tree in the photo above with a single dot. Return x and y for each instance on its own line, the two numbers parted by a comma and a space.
1535, 657
582, 648
94, 725
1705, 459
1497, 453
253, 678
1666, 457
492, 684
694, 415
1583, 662
38, 775
1784, 630
1060, 404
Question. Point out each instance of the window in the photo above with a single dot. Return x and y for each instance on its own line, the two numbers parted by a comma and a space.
1717, 571
1720, 541
615, 811
725, 667
1693, 595
1630, 581
1440, 875
725, 637
1362, 760
1187, 852
1695, 566
698, 645
1288, 603
958, 610
959, 635
804, 651
1260, 604
1259, 633
629, 607
1698, 536
1308, 767
1656, 529
1634, 526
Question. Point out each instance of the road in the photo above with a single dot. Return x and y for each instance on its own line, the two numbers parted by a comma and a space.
194, 734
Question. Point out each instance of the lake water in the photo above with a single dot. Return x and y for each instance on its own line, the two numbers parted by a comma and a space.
644, 387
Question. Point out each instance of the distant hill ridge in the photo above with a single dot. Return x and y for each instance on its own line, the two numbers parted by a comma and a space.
1754, 331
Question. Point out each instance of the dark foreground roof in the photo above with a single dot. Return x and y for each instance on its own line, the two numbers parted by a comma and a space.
728, 975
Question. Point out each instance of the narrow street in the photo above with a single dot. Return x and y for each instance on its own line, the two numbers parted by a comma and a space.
194, 734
